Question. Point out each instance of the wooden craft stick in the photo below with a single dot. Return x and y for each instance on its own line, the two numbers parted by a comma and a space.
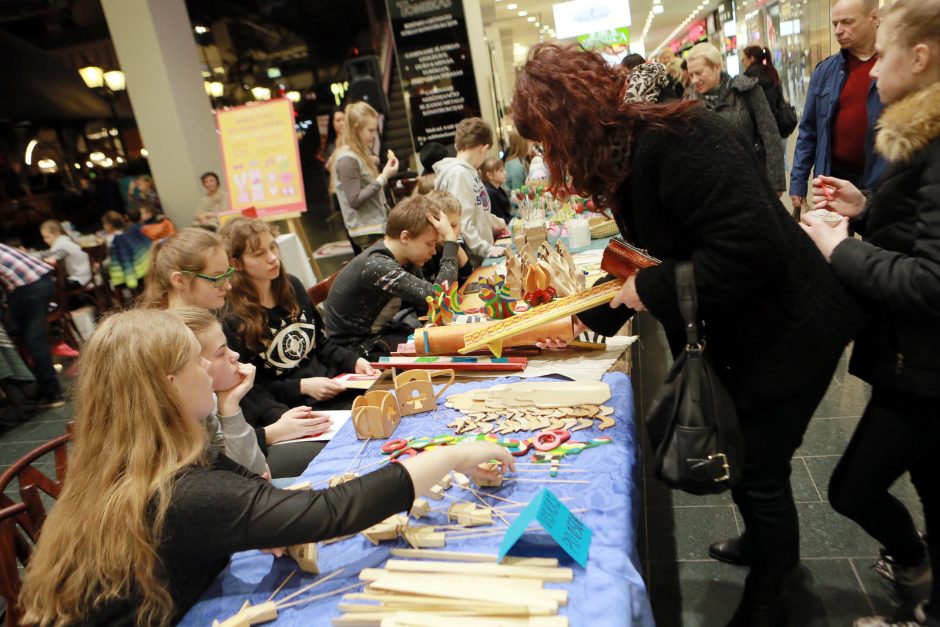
460, 556
361, 449
492, 496
491, 570
317, 597
310, 586
278, 589
374, 574
489, 507
549, 469
545, 480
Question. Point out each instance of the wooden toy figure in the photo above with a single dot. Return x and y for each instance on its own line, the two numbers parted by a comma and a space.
375, 414
415, 392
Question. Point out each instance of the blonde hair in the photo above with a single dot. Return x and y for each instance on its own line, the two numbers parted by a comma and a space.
100, 541
199, 320
357, 115
914, 21
518, 148
52, 226
708, 52
445, 201
424, 185
186, 251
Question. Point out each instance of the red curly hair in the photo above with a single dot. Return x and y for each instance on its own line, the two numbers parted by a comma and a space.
570, 100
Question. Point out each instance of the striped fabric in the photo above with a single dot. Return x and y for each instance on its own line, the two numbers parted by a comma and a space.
18, 268
130, 257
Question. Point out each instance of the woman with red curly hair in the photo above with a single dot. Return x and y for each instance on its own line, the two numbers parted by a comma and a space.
682, 185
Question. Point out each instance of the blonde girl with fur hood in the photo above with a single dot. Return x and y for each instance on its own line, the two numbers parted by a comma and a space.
895, 271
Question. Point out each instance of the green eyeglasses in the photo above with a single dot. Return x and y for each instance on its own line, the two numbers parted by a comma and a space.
217, 281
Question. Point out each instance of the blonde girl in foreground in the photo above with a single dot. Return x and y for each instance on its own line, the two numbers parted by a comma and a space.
148, 518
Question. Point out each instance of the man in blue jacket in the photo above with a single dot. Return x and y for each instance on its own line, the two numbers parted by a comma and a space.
841, 101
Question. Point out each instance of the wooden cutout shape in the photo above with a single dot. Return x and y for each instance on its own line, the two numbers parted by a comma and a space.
583, 423
424, 537
250, 615
306, 557
386, 530
415, 391
375, 415
461, 479
446, 481
420, 508
605, 422
469, 515
436, 492
336, 480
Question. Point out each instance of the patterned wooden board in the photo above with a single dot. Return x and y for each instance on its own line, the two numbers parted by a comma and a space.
492, 337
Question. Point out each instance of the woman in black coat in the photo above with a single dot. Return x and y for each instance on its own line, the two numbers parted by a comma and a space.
685, 187
896, 271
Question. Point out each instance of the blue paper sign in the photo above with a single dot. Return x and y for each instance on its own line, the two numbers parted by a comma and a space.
564, 527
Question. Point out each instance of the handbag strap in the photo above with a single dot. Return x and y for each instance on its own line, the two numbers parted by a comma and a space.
688, 301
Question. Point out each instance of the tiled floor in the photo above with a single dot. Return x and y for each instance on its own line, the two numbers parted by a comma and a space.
835, 582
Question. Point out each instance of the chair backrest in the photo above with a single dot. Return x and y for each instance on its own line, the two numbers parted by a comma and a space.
31, 481
14, 550
318, 292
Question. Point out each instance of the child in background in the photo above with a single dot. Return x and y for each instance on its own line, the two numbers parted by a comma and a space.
154, 224
493, 173
149, 517
459, 176
128, 251
64, 248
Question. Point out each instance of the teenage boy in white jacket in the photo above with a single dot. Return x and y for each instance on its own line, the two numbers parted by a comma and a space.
460, 177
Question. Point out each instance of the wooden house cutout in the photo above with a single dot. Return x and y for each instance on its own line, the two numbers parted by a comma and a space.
415, 391
375, 414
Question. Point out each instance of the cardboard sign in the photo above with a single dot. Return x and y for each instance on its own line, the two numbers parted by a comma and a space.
261, 158
564, 527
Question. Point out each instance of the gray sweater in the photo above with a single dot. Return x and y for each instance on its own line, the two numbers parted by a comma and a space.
361, 198
460, 179
741, 102
233, 437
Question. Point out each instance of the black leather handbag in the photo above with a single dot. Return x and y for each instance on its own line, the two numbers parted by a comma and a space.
692, 423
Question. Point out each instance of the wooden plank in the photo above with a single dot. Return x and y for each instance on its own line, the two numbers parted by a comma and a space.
533, 599
415, 619
388, 600
459, 556
489, 570
374, 574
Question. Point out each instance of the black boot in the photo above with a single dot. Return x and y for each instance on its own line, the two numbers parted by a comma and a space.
733, 551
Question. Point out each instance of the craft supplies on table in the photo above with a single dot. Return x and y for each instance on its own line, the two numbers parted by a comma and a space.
610, 586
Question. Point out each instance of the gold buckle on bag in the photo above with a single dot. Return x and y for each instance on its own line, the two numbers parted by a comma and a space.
724, 464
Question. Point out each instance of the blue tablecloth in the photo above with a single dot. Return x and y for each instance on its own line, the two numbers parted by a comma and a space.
610, 591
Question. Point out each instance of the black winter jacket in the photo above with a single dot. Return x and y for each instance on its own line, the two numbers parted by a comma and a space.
774, 313
896, 269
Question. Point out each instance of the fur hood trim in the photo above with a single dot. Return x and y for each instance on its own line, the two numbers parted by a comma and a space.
909, 125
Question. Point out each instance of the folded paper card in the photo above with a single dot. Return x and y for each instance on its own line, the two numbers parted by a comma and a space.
564, 527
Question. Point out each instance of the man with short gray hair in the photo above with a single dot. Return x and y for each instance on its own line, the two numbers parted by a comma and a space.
842, 107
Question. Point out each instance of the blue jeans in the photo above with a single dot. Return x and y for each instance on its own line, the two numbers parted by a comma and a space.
28, 306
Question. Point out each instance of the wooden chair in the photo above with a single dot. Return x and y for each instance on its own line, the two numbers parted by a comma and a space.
60, 314
21, 523
15, 550
31, 480
321, 290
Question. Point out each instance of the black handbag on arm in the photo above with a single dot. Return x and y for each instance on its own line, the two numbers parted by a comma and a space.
692, 423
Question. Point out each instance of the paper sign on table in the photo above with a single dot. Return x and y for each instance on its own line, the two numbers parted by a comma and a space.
353, 381
339, 417
564, 527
